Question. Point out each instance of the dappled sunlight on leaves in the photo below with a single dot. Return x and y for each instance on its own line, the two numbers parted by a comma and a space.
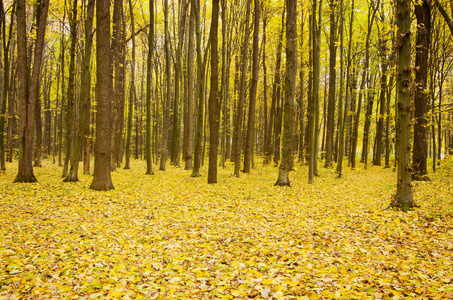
173, 236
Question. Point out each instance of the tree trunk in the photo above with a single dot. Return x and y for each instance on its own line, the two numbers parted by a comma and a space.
132, 96
70, 107
6, 85
403, 199
167, 104
422, 45
242, 88
189, 122
332, 83
254, 86
149, 71
28, 88
84, 121
382, 44
102, 179
275, 91
213, 96
290, 91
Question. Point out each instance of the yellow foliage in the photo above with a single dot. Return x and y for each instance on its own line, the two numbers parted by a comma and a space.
173, 236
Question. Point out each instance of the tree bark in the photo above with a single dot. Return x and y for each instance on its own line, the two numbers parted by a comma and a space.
242, 88
71, 90
189, 122
149, 71
422, 45
332, 84
403, 199
254, 86
213, 96
290, 91
28, 88
84, 121
102, 179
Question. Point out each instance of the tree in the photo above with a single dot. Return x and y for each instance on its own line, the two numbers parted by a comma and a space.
85, 95
166, 113
290, 91
422, 44
6, 66
254, 86
102, 179
28, 86
188, 120
71, 89
213, 96
403, 199
242, 88
132, 95
149, 161
332, 82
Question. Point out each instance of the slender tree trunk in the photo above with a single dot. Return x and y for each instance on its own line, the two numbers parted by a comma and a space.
343, 109
149, 71
313, 151
290, 91
102, 179
422, 45
254, 86
332, 84
189, 123
213, 102
6, 86
132, 96
38, 119
70, 105
166, 113
84, 121
175, 154
271, 130
382, 42
201, 64
242, 88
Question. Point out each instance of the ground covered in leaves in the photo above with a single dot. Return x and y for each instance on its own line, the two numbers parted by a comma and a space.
172, 236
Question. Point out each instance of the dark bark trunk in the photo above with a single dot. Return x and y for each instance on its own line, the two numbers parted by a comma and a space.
290, 90
254, 86
422, 45
28, 87
102, 179
84, 120
213, 96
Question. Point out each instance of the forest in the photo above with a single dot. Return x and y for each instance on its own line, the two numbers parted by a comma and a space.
226, 149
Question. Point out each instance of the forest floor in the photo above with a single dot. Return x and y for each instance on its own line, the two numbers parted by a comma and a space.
172, 236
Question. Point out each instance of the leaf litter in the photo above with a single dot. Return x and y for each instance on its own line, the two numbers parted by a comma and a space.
172, 236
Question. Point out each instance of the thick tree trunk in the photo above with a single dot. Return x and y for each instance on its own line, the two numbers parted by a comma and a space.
102, 179
403, 199
28, 88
